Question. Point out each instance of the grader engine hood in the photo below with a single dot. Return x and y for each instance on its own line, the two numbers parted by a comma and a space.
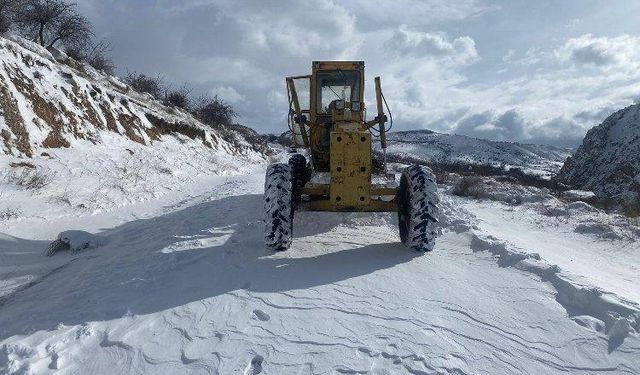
350, 169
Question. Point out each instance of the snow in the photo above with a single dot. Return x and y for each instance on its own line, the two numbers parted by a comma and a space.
189, 288
585, 250
97, 178
430, 146
80, 240
607, 162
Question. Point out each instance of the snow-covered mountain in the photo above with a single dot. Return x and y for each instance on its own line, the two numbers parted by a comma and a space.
436, 147
608, 161
73, 137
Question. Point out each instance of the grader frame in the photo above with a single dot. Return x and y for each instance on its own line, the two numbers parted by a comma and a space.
331, 125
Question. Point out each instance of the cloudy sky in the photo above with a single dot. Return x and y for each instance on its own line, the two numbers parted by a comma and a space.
540, 71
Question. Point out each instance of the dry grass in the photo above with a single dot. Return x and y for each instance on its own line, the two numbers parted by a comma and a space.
43, 109
10, 213
468, 186
22, 164
30, 179
442, 177
63, 199
631, 207
89, 112
165, 127
14, 121
131, 127
111, 120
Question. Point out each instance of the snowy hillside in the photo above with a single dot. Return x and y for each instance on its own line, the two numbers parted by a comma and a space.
608, 161
437, 147
73, 138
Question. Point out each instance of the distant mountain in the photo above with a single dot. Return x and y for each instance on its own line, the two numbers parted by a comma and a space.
608, 161
436, 147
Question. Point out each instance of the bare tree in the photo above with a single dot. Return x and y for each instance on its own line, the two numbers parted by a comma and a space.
214, 111
49, 22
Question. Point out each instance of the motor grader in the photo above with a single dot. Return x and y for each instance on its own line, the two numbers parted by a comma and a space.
327, 119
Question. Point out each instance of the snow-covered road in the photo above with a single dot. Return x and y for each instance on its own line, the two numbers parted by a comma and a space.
191, 289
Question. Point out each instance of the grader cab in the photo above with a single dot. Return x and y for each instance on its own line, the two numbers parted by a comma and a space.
327, 118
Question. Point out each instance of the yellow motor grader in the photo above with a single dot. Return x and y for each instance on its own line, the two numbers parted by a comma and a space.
327, 117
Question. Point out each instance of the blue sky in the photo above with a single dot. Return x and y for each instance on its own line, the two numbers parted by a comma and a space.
538, 72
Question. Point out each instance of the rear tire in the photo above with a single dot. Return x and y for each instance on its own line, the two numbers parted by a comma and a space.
278, 207
418, 208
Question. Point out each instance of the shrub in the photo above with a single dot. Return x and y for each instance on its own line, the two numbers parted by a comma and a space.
442, 177
10, 213
631, 207
30, 179
468, 186
22, 164
145, 84
178, 98
95, 55
214, 111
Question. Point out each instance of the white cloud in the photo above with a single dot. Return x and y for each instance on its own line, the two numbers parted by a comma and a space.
228, 94
438, 69
405, 43
620, 53
508, 57
376, 14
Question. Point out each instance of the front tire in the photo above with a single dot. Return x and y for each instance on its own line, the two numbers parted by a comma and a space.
418, 209
278, 207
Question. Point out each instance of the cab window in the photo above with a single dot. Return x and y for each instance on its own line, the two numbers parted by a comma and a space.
337, 85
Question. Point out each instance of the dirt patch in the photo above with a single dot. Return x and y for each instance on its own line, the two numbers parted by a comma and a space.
131, 127
22, 164
46, 111
90, 113
111, 120
13, 119
55, 140
165, 127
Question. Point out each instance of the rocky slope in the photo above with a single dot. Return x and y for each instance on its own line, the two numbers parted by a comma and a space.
52, 101
608, 161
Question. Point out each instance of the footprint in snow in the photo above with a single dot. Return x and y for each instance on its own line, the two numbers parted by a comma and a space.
255, 367
261, 315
